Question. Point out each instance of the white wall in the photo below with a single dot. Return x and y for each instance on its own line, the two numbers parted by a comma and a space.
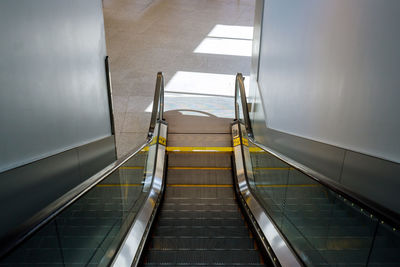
53, 93
330, 72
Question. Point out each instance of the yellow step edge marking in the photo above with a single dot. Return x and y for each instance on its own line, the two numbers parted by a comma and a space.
162, 141
236, 141
208, 149
110, 185
198, 149
287, 185
199, 185
132, 168
274, 168
256, 149
245, 141
199, 168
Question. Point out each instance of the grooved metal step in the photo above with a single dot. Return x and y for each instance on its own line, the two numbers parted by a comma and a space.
199, 160
201, 222
221, 215
199, 192
199, 140
199, 176
201, 264
201, 231
170, 243
194, 201
201, 257
199, 207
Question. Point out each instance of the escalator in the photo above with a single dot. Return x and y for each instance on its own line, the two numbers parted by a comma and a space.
199, 222
203, 192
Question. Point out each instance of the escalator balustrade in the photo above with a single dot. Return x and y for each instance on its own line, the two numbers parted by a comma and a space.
205, 193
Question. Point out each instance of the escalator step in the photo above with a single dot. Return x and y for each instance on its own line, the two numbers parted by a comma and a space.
199, 192
222, 215
202, 257
199, 176
202, 264
194, 201
199, 140
201, 222
163, 243
201, 231
199, 159
199, 207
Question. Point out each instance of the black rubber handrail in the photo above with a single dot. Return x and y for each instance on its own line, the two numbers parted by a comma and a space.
383, 214
38, 221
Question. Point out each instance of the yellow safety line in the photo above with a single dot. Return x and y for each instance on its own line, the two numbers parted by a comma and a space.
287, 185
199, 185
198, 149
208, 149
132, 168
109, 185
199, 168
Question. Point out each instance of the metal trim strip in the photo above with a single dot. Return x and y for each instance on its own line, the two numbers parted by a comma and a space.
281, 249
132, 246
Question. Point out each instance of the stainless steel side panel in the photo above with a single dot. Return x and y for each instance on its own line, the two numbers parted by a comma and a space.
281, 249
131, 247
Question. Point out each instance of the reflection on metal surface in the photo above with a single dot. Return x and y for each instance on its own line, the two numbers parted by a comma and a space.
129, 252
150, 162
246, 155
284, 255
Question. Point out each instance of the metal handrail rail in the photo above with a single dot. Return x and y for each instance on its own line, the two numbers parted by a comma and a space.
48, 213
239, 88
158, 103
382, 213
